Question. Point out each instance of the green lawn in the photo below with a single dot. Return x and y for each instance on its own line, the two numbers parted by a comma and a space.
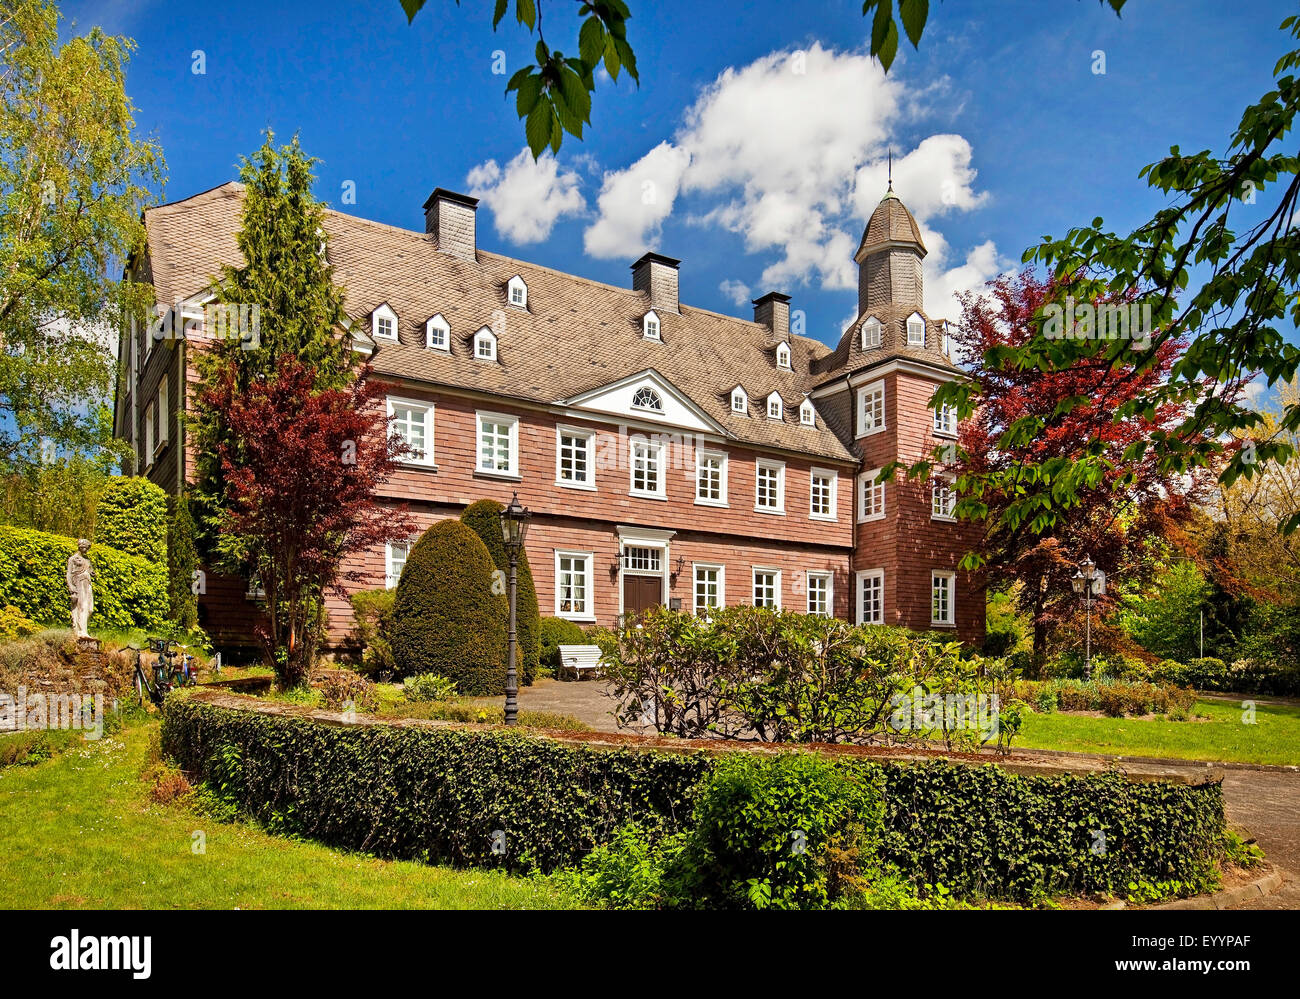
80, 830
1274, 738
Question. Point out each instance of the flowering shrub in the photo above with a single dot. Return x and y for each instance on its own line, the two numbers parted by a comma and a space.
753, 673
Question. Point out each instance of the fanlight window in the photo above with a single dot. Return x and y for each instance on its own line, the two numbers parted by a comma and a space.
647, 398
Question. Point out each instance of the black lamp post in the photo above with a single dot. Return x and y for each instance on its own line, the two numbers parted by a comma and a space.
1089, 584
514, 527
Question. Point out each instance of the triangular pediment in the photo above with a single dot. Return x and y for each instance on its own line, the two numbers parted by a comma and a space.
635, 396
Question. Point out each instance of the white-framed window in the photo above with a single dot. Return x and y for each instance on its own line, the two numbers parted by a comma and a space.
575, 458
647, 398
769, 486
807, 414
642, 558
943, 594
498, 444
485, 345
412, 421
775, 409
871, 596
651, 328
943, 498
739, 401
163, 420
821, 593
573, 591
645, 459
945, 420
871, 409
871, 333
437, 334
149, 417
767, 588
915, 330
517, 292
947, 340
395, 555
871, 496
823, 485
710, 585
711, 478
383, 323
783, 356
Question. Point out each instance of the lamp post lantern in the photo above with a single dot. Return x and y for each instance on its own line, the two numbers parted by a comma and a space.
1089, 584
514, 528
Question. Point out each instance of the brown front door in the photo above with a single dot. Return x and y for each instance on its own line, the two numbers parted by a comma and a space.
640, 593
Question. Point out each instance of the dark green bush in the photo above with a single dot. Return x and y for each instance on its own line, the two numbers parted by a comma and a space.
446, 616
484, 519
555, 631
182, 564
132, 517
130, 592
439, 795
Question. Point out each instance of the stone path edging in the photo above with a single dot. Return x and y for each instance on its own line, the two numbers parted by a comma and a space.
1261, 886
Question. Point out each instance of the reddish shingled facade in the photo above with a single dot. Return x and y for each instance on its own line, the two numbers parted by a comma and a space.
598, 374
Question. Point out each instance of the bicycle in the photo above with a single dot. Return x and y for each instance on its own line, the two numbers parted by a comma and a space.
171, 669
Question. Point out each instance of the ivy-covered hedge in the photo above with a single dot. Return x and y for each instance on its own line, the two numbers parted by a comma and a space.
130, 592
440, 794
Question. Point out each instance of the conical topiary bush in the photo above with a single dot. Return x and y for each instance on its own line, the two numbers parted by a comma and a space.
446, 619
484, 519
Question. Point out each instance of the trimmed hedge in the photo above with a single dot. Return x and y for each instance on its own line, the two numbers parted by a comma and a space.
556, 631
132, 517
130, 592
438, 795
484, 519
433, 794
446, 618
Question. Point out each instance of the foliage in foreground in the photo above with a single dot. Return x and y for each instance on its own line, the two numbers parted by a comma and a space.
504, 799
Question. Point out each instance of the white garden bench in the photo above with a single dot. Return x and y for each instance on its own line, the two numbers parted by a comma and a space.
579, 659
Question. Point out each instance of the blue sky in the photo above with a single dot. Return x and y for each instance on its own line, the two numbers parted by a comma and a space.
754, 147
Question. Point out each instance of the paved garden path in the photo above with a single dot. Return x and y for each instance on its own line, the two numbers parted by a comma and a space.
1264, 802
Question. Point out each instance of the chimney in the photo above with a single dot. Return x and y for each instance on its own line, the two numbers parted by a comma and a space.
449, 219
657, 275
773, 311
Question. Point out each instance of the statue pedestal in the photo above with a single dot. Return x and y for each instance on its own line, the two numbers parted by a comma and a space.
89, 644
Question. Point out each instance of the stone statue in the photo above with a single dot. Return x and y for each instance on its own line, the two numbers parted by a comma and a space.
80, 572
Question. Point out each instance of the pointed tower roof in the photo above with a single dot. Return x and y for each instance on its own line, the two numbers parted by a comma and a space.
891, 224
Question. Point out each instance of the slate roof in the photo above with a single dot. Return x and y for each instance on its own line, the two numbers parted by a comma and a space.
574, 336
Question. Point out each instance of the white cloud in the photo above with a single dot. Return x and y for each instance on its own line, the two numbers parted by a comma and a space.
789, 152
737, 292
528, 197
633, 203
946, 278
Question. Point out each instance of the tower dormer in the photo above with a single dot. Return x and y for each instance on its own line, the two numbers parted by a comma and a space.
889, 258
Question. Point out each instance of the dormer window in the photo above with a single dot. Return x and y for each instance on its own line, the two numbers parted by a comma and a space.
650, 326
807, 415
485, 345
383, 323
774, 408
647, 398
437, 334
739, 401
783, 356
517, 292
871, 333
915, 330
